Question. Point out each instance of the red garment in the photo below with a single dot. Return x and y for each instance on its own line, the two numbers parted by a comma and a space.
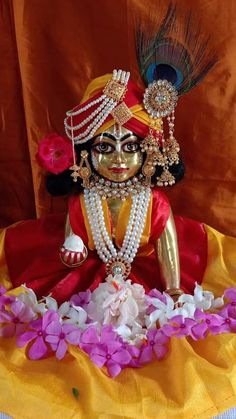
32, 253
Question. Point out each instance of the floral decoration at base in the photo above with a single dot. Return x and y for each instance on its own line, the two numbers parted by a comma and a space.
117, 325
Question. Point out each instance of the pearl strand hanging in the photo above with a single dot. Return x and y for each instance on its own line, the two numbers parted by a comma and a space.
98, 116
117, 261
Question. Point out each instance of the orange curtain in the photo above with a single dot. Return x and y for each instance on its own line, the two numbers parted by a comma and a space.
50, 50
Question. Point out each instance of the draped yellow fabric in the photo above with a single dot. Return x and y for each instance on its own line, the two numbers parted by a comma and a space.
196, 380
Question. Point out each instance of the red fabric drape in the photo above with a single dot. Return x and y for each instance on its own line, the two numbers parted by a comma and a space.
50, 50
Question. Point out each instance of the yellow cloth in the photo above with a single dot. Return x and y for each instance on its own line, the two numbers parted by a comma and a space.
196, 380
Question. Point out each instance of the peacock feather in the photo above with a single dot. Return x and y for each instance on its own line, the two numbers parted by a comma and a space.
178, 51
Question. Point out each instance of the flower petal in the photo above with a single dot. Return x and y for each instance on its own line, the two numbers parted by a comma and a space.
146, 355
98, 359
26, 337
54, 328
8, 331
52, 339
38, 349
61, 349
121, 357
160, 351
73, 337
113, 368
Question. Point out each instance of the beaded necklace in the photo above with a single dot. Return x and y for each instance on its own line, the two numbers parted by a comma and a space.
118, 261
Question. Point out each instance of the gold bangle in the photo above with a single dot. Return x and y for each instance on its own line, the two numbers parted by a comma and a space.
174, 291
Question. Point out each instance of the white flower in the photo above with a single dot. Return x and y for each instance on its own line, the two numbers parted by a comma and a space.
134, 335
200, 299
163, 312
117, 302
30, 300
77, 316
52, 304
218, 302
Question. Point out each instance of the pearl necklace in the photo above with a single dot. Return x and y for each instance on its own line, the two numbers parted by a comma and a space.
107, 189
118, 261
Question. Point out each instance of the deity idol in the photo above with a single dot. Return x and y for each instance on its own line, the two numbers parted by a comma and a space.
119, 152
119, 246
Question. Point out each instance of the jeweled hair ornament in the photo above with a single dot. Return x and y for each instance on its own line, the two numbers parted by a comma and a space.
111, 101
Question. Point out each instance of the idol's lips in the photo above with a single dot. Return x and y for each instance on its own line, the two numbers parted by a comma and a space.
118, 169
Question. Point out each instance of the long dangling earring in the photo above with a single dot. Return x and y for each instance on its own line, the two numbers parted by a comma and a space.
170, 150
84, 169
75, 167
150, 145
172, 146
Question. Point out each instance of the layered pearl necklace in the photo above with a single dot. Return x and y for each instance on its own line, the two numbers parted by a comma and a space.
118, 261
107, 189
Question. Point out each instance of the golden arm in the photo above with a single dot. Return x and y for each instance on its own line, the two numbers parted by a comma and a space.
168, 256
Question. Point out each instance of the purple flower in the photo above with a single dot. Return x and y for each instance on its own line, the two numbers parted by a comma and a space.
156, 344
111, 355
88, 339
157, 294
134, 353
205, 323
108, 334
154, 293
15, 319
58, 336
178, 326
230, 294
229, 323
81, 299
5, 299
37, 334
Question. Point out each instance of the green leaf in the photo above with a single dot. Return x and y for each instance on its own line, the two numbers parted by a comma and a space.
75, 392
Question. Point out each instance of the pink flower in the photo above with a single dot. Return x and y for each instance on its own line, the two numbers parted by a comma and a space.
88, 339
81, 299
111, 355
229, 323
15, 319
134, 353
58, 336
37, 334
178, 326
55, 153
205, 323
230, 294
156, 344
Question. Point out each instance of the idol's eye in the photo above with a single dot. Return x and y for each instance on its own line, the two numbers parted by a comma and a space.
103, 148
130, 147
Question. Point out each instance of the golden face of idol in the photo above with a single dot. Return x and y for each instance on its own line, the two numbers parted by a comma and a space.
116, 154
